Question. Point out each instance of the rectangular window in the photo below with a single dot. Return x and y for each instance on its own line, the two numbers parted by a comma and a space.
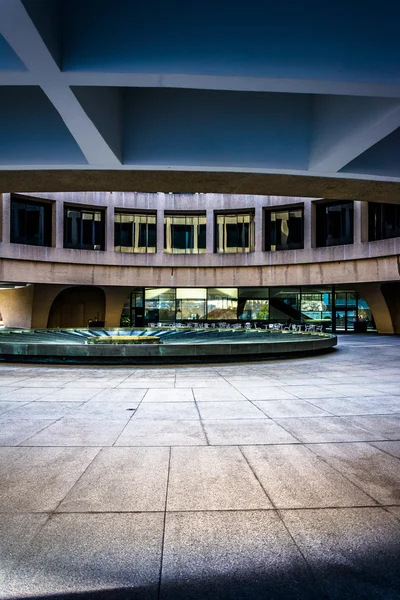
284, 229
383, 221
135, 233
30, 222
235, 233
84, 228
335, 224
185, 234
222, 304
191, 304
160, 305
253, 304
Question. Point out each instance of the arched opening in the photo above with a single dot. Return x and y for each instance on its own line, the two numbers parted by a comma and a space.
77, 307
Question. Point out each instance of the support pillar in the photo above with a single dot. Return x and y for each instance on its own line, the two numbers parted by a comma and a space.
5, 221
16, 306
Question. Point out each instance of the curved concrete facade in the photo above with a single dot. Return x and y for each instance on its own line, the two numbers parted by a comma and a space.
361, 265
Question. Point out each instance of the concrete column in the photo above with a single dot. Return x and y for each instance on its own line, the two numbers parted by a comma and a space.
115, 300
210, 231
5, 218
364, 222
160, 230
16, 307
309, 225
259, 241
57, 237
372, 294
357, 222
109, 242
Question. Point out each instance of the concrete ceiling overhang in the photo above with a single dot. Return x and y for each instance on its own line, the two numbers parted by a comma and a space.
259, 97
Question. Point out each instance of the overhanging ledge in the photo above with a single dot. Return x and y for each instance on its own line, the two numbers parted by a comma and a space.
227, 182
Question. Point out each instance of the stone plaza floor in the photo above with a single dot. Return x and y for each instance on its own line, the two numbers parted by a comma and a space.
277, 479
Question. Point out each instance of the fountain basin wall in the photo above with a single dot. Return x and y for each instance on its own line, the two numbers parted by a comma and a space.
191, 346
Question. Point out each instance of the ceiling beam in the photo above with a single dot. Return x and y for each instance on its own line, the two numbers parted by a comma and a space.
343, 127
21, 34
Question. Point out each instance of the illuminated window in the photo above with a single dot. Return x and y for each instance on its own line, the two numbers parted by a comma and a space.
185, 234
135, 233
235, 233
284, 229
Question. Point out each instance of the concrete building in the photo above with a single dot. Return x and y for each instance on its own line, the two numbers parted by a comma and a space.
269, 111
133, 259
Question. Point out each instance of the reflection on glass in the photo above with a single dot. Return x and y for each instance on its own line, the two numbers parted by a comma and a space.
84, 229
316, 306
222, 303
383, 221
185, 234
254, 309
135, 233
334, 224
284, 305
160, 304
191, 304
284, 229
30, 223
235, 233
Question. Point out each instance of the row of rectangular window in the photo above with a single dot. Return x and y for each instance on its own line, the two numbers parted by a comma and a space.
324, 305
84, 229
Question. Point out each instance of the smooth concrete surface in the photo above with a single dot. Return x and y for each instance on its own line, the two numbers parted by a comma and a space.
276, 479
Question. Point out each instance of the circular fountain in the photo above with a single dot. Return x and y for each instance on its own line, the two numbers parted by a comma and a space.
157, 345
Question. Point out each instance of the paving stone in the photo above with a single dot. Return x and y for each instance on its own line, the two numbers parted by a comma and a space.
237, 555
118, 395
139, 475
386, 426
115, 409
16, 535
265, 393
42, 410
161, 384
354, 552
374, 471
90, 552
176, 411
17, 431
229, 410
218, 395
27, 394
37, 479
310, 391
325, 429
69, 395
352, 406
246, 431
79, 432
392, 448
162, 432
185, 395
345, 389
294, 477
212, 479
288, 408
7, 406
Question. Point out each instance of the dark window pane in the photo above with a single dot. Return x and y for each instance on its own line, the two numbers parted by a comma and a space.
384, 221
30, 223
84, 229
284, 230
334, 224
